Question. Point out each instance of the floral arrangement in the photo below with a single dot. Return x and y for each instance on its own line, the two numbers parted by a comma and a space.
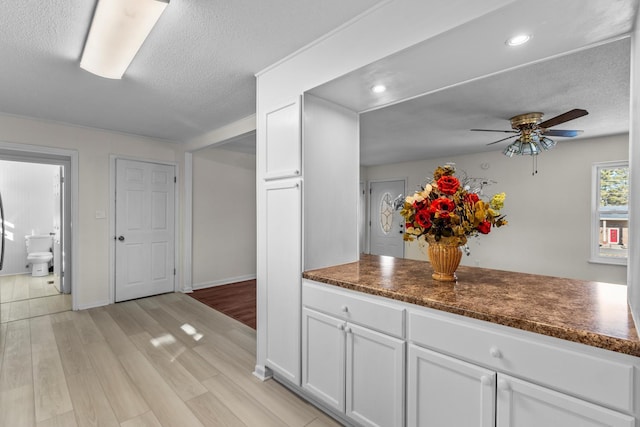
446, 208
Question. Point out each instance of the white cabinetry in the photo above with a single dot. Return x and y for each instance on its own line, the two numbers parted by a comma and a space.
536, 384
283, 264
283, 147
374, 377
349, 366
460, 371
523, 404
323, 358
446, 391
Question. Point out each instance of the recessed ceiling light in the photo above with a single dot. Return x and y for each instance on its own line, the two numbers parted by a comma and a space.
518, 40
378, 88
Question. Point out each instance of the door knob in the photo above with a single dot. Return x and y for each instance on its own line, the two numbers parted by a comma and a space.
121, 238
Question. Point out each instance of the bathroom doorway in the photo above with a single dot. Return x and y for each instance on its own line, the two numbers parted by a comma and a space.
34, 279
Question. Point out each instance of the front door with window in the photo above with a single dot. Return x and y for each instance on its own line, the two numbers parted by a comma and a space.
145, 229
387, 225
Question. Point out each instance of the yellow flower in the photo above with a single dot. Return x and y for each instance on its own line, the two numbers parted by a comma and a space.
480, 213
458, 230
497, 202
413, 230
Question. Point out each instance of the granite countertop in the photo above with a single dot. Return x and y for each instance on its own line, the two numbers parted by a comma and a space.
591, 313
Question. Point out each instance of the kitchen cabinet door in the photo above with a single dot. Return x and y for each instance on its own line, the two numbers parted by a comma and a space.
374, 377
523, 404
283, 154
283, 277
323, 349
446, 391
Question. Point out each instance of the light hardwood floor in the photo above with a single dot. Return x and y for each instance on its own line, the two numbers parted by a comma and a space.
167, 360
24, 296
19, 287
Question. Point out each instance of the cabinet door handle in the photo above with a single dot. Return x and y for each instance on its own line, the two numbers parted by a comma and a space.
485, 380
341, 327
344, 309
495, 352
347, 330
503, 385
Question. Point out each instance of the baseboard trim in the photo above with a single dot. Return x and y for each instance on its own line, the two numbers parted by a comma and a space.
93, 305
221, 282
262, 372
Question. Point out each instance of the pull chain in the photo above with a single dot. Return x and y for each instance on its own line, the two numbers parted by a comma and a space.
534, 165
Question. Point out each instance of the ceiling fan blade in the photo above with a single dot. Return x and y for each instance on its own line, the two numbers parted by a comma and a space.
503, 139
562, 132
492, 130
565, 117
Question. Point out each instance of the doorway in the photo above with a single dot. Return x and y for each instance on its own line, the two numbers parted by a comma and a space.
36, 275
144, 229
386, 226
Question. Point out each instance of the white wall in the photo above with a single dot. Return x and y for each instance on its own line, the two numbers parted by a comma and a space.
549, 213
224, 217
330, 184
91, 286
27, 193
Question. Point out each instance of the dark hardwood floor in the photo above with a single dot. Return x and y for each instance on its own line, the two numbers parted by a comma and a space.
237, 300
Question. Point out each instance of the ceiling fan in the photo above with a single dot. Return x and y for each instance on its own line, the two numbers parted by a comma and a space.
532, 133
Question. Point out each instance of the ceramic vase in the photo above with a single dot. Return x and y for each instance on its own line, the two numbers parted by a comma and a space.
445, 256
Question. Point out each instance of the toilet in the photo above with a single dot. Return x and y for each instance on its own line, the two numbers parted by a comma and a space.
39, 254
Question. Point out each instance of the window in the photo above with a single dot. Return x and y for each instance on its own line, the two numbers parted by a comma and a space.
610, 212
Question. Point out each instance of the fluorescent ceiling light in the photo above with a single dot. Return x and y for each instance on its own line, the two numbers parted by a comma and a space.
518, 40
118, 30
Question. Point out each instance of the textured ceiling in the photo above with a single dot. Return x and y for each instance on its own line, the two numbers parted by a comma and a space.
437, 125
194, 73
468, 78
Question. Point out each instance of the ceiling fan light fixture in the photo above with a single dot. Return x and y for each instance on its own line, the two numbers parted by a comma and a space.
513, 148
118, 29
530, 149
546, 143
518, 40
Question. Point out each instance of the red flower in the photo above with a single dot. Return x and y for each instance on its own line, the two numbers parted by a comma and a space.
484, 227
471, 198
443, 204
443, 214
419, 205
423, 218
448, 184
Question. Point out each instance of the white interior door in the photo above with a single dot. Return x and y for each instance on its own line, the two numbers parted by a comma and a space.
387, 225
145, 229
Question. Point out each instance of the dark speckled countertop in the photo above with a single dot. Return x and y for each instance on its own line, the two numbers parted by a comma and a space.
591, 313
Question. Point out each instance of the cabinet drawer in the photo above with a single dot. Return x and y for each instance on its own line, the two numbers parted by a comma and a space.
352, 307
525, 355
